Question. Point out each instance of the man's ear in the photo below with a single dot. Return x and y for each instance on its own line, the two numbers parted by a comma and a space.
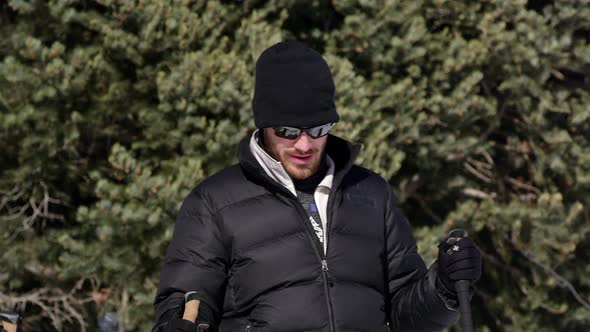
261, 139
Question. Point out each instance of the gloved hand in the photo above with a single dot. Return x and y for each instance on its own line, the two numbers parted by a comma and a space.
188, 322
183, 325
458, 259
180, 325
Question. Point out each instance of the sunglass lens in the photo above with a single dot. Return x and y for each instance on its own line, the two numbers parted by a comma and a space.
314, 132
293, 133
319, 131
288, 132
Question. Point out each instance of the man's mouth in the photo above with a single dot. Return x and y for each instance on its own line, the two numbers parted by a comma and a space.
301, 159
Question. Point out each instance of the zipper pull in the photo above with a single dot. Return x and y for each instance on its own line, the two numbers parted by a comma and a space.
324, 265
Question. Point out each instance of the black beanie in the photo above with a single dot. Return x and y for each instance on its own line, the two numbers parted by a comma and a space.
294, 87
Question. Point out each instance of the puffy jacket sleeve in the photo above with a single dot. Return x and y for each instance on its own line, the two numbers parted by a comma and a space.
415, 303
196, 261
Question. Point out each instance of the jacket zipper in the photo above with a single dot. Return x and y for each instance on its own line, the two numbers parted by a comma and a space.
319, 250
328, 296
327, 235
315, 242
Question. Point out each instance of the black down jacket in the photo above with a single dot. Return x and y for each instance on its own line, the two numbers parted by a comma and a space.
245, 245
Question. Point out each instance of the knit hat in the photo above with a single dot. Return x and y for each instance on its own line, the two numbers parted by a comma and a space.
294, 87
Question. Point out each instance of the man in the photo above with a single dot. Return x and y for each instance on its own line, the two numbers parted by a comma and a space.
296, 237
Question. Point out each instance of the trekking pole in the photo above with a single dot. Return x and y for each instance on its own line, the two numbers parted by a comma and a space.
462, 289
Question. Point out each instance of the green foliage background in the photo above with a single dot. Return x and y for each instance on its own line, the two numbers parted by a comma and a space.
478, 112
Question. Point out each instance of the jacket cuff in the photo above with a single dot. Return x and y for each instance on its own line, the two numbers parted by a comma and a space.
448, 297
445, 296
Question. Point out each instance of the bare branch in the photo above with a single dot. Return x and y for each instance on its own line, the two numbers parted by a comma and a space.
477, 173
523, 185
488, 158
60, 307
529, 197
11, 196
18, 214
480, 165
563, 282
427, 209
28, 211
471, 192
124, 307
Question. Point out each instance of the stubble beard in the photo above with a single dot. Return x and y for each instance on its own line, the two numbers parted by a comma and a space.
298, 172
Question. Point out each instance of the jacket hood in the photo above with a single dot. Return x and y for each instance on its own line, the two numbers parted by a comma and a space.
342, 152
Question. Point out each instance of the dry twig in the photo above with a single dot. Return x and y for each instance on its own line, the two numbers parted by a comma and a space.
32, 210
59, 306
478, 173
471, 192
563, 282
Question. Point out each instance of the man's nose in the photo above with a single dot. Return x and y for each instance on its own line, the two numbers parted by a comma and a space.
303, 142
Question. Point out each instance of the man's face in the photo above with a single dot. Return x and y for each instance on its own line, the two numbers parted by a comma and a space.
300, 157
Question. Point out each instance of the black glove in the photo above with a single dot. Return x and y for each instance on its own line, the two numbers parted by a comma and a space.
180, 325
458, 260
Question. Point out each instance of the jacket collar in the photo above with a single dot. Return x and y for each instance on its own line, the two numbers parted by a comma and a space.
340, 151
275, 170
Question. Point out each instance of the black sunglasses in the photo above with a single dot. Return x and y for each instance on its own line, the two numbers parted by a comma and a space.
293, 132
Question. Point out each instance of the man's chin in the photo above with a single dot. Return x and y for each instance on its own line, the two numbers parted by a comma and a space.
300, 173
